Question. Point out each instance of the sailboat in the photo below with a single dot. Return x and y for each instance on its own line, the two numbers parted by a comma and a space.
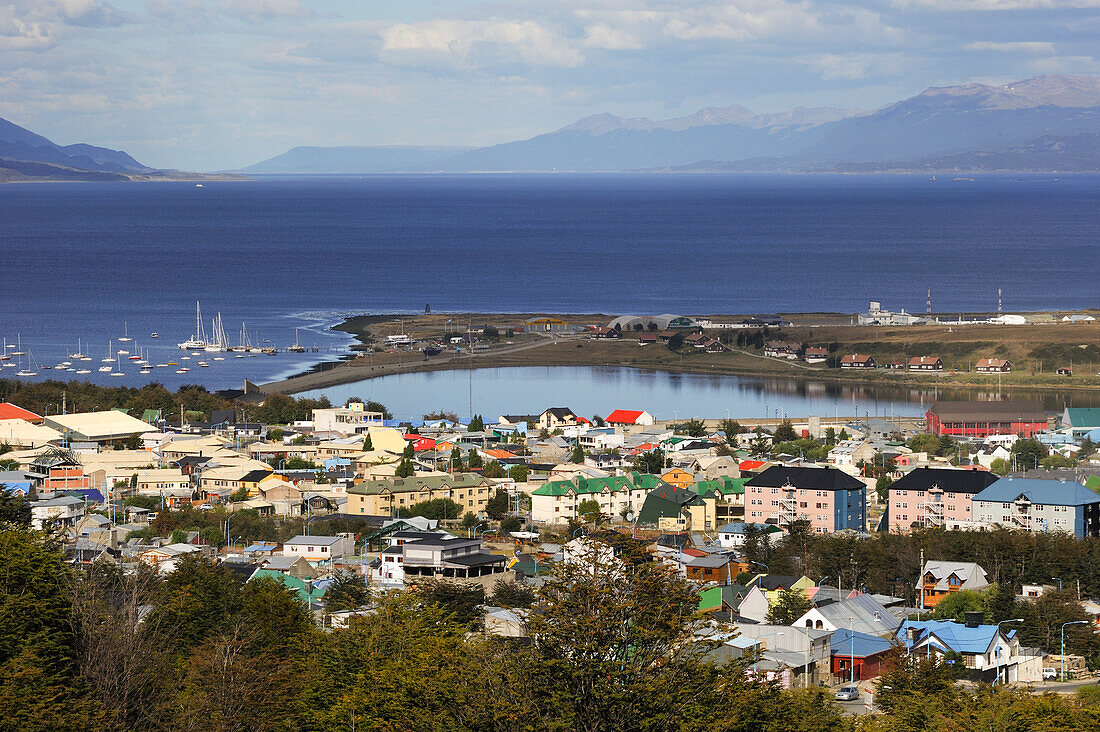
136, 356
297, 347
4, 355
18, 346
118, 364
197, 341
125, 333
28, 371
79, 355
218, 340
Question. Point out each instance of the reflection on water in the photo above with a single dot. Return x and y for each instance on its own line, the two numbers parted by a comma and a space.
600, 389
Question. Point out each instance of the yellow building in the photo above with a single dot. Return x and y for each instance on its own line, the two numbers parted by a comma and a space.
679, 478
383, 497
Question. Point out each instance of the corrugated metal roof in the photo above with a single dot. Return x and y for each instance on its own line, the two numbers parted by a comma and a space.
1056, 492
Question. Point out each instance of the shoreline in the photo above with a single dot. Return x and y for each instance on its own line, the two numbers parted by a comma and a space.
581, 350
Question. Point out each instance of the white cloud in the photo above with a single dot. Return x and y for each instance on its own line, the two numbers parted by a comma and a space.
264, 11
999, 4
466, 44
1012, 47
855, 66
601, 35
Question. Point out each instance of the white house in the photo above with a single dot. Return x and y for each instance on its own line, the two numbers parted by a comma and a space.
63, 511
861, 613
319, 548
600, 439
732, 535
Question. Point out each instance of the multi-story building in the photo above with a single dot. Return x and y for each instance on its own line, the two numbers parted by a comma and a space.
384, 497
319, 548
1033, 504
558, 501
828, 498
353, 419
982, 419
934, 498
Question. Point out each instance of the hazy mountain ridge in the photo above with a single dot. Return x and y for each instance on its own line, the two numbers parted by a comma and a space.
18, 144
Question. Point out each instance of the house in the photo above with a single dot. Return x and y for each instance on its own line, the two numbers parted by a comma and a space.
670, 508
449, 557
717, 567
19, 433
607, 333
934, 497
383, 497
861, 613
989, 652
857, 656
709, 468
165, 558
556, 417
850, 453
732, 535
354, 419
600, 439
678, 477
993, 365
1081, 421
62, 469
1065, 371
816, 354
106, 427
722, 598
56, 512
984, 418
305, 590
645, 339
925, 363
940, 578
296, 566
781, 349
558, 501
11, 411
319, 548
1034, 504
623, 417
857, 361
829, 499
803, 655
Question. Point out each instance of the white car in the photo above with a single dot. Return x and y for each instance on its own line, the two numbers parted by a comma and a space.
1049, 673
847, 693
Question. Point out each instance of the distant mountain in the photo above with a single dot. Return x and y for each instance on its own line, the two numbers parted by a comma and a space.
352, 160
21, 145
1028, 125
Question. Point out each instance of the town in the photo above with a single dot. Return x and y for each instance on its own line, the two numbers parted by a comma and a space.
815, 550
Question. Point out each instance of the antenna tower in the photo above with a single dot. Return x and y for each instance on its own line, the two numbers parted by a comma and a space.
928, 304
999, 311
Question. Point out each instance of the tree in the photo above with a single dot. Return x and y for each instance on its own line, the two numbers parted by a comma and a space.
1000, 466
463, 601
512, 594
518, 473
474, 460
469, 520
761, 442
14, 510
784, 432
490, 332
652, 461
1027, 453
843, 435
477, 424
368, 444
789, 607
405, 469
437, 508
241, 494
578, 453
455, 461
694, 428
830, 436
882, 486
1057, 460
275, 434
598, 420
493, 469
955, 605
731, 428
348, 591
497, 506
508, 524
1088, 447
589, 509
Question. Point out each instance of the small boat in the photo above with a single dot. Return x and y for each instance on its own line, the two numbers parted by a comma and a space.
104, 369
239, 355
125, 334
185, 358
145, 371
86, 358
47, 368
171, 363
18, 346
297, 347
26, 372
183, 370
219, 358
198, 185
122, 352
162, 365
118, 364
154, 334
83, 371
79, 351
10, 364
109, 358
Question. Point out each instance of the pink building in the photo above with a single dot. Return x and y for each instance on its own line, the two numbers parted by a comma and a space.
828, 498
932, 497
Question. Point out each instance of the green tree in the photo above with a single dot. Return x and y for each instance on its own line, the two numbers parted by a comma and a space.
882, 486
761, 442
405, 469
348, 591
578, 453
830, 436
469, 520
437, 508
731, 428
508, 524
493, 469
477, 424
368, 444
785, 432
789, 607
1056, 461
955, 605
463, 601
589, 509
15, 511
518, 473
512, 594
694, 428
1000, 466
474, 460
455, 461
275, 434
1027, 453
652, 461
497, 505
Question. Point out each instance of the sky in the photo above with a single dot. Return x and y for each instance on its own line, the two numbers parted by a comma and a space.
209, 85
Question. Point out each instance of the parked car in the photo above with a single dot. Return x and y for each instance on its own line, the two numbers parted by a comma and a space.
847, 693
1049, 673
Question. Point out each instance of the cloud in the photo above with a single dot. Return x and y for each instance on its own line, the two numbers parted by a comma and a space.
35, 25
467, 44
855, 66
1012, 47
601, 35
257, 12
956, 5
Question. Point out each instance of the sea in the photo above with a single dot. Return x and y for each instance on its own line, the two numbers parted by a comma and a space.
285, 259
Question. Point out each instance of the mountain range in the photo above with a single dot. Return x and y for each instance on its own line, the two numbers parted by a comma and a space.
1047, 123
24, 154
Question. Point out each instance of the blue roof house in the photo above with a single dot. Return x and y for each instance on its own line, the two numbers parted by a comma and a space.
988, 651
1034, 504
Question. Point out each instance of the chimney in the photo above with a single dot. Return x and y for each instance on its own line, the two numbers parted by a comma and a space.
973, 619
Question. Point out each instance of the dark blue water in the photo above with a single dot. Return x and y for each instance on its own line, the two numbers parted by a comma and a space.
79, 260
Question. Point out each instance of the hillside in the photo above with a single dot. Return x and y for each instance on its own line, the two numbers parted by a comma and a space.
20, 145
1048, 123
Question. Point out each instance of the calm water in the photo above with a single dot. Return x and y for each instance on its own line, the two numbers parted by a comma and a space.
599, 390
83, 259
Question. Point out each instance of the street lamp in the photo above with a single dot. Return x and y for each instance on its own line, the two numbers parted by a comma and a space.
1072, 622
476, 527
1059, 582
997, 652
633, 522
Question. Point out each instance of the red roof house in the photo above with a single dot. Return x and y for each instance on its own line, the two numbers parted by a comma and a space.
629, 416
10, 411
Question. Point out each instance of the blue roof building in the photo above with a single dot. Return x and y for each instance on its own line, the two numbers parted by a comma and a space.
991, 652
1034, 504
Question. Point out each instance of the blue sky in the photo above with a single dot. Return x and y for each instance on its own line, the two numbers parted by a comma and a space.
212, 84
